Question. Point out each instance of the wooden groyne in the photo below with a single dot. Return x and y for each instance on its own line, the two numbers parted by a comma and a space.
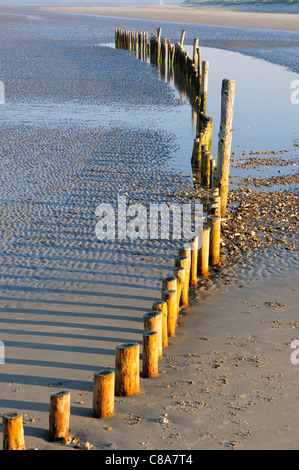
193, 260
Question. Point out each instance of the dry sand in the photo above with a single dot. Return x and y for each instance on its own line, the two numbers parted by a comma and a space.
197, 15
226, 380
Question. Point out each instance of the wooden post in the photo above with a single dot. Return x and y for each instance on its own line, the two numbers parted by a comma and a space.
171, 298
13, 431
199, 70
204, 252
186, 251
59, 418
184, 262
143, 40
204, 151
172, 55
103, 394
180, 275
150, 354
209, 133
194, 260
127, 369
206, 175
132, 40
195, 53
225, 140
214, 222
214, 192
204, 86
168, 51
139, 44
152, 321
161, 306
212, 169
183, 37
196, 153
170, 283
215, 200
213, 208
163, 50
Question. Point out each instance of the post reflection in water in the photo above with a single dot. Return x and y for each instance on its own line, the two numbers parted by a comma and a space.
176, 78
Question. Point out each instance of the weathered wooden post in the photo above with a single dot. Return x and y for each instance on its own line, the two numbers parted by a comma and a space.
163, 50
172, 55
196, 153
152, 321
183, 37
195, 53
213, 208
184, 262
209, 133
216, 201
206, 177
225, 140
168, 51
140, 45
13, 431
214, 222
59, 417
204, 86
150, 356
180, 275
212, 169
194, 261
171, 298
127, 369
170, 283
204, 153
161, 306
204, 252
214, 192
199, 70
103, 394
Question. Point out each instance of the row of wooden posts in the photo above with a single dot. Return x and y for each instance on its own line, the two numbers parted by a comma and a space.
160, 324
162, 50
193, 260
196, 70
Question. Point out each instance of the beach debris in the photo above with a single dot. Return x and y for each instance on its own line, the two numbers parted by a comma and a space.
75, 442
132, 420
163, 420
275, 304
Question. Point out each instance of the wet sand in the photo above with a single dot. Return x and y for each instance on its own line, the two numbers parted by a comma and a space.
198, 15
226, 381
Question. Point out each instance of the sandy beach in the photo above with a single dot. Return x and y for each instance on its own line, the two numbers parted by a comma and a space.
79, 135
230, 17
